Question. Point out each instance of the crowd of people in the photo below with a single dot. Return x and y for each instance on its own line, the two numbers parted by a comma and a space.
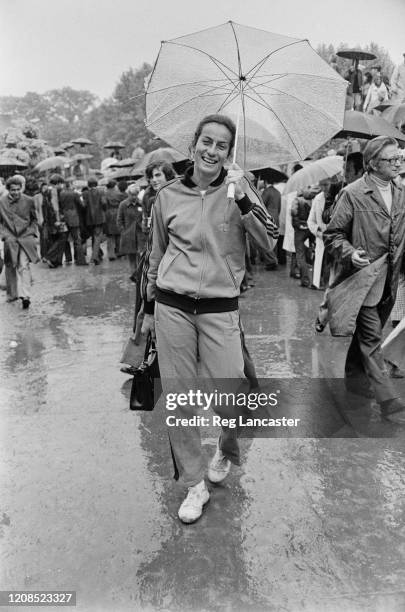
370, 88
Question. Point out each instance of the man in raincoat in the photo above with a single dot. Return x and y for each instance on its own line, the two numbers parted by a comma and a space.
366, 237
19, 231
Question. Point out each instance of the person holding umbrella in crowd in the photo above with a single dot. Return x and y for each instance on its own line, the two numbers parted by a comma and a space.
194, 273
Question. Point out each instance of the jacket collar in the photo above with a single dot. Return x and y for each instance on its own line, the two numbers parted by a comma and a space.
188, 180
371, 189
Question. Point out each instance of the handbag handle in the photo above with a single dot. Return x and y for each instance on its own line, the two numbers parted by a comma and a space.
149, 346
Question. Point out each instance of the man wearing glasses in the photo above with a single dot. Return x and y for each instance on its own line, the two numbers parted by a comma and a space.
368, 224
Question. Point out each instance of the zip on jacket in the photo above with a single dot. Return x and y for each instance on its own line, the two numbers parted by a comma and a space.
198, 240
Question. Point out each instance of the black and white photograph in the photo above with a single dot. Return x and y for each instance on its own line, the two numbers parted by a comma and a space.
202, 305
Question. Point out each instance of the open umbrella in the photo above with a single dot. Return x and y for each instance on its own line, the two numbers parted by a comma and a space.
356, 54
288, 99
9, 165
270, 174
114, 145
51, 163
81, 157
314, 172
363, 125
163, 154
82, 142
66, 145
124, 163
394, 114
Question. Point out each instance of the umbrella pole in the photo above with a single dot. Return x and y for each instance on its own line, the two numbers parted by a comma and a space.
231, 186
344, 163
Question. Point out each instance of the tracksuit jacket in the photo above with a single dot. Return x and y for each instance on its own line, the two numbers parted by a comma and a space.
197, 257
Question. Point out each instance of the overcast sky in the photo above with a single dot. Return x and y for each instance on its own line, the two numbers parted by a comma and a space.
87, 44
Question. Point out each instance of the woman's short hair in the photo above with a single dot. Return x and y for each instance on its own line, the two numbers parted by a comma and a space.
374, 147
92, 182
217, 118
122, 186
111, 184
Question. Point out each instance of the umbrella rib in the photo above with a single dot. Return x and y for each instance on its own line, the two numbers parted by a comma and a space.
227, 99
264, 60
224, 81
300, 74
318, 110
237, 49
182, 104
265, 105
217, 62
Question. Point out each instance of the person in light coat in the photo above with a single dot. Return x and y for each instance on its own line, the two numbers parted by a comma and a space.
19, 232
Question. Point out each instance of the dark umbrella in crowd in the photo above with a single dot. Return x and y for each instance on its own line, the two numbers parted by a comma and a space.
82, 142
123, 163
9, 165
394, 114
66, 145
270, 174
356, 54
363, 125
114, 145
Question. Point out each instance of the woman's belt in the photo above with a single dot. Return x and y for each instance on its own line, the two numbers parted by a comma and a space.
196, 305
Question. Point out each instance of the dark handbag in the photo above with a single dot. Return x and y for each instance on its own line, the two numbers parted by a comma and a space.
143, 382
310, 253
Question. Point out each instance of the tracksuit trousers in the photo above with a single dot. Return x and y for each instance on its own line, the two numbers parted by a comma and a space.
193, 350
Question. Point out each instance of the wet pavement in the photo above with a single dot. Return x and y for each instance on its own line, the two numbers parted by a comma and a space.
87, 499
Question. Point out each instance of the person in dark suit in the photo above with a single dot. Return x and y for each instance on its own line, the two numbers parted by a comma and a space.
95, 205
272, 200
69, 208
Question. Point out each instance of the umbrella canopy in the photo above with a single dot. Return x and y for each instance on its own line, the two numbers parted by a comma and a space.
124, 163
394, 114
288, 99
114, 145
363, 125
52, 162
81, 156
66, 145
356, 54
82, 141
163, 154
314, 172
121, 173
59, 151
9, 165
271, 175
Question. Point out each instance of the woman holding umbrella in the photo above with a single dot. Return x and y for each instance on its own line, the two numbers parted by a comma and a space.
194, 272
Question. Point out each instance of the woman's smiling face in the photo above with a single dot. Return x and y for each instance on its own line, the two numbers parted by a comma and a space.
212, 149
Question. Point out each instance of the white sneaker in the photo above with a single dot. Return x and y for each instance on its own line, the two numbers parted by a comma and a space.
192, 507
219, 467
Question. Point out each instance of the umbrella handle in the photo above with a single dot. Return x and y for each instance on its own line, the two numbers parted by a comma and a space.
231, 186
231, 191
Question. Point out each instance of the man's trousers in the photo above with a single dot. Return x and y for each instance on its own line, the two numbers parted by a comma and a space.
365, 361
